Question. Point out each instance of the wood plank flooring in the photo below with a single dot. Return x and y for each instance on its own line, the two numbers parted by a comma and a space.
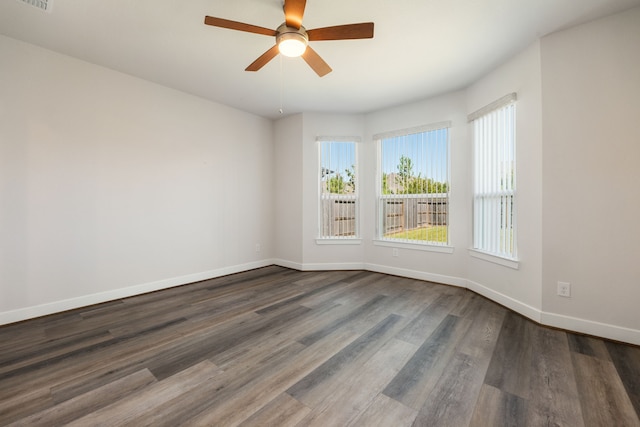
277, 347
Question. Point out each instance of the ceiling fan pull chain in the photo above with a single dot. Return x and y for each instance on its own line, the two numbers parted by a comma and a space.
281, 86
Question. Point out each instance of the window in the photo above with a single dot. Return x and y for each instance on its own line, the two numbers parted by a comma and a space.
494, 193
338, 189
413, 185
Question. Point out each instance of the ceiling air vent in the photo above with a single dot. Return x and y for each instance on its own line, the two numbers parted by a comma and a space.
44, 5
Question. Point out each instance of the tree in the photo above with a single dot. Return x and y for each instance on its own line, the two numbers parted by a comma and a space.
408, 183
405, 170
417, 185
436, 186
351, 175
336, 184
385, 184
405, 177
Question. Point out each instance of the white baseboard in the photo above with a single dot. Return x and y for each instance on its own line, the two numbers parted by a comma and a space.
573, 324
589, 327
97, 298
511, 303
617, 333
419, 275
289, 264
403, 272
320, 266
613, 332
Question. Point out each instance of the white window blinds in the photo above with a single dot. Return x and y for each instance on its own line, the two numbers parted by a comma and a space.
494, 228
413, 189
338, 214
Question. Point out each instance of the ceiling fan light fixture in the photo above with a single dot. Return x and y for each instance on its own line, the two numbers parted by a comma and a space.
292, 44
292, 39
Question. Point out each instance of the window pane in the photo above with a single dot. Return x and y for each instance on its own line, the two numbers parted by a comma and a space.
494, 182
338, 189
414, 187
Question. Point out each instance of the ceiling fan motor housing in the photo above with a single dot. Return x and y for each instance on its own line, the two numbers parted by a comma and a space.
291, 41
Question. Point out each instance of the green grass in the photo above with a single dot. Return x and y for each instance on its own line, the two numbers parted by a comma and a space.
437, 233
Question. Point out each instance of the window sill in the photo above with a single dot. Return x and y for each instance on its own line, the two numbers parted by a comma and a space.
329, 241
414, 246
505, 262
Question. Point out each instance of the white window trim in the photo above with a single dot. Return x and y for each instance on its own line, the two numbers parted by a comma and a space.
486, 256
498, 103
428, 247
507, 261
355, 139
343, 240
398, 243
412, 131
338, 241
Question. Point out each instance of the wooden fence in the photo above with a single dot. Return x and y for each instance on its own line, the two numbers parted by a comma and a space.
402, 214
339, 216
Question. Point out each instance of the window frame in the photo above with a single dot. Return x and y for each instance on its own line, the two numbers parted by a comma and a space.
483, 247
425, 245
355, 196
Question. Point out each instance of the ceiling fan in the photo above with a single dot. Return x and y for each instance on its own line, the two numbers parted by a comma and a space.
292, 39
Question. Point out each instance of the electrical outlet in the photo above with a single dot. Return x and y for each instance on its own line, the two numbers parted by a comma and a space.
258, 248
394, 252
564, 289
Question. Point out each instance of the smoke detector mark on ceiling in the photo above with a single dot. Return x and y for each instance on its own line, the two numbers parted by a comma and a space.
44, 5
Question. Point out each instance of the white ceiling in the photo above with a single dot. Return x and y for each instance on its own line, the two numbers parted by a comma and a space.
421, 47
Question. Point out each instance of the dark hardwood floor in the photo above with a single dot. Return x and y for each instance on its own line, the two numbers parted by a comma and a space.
277, 347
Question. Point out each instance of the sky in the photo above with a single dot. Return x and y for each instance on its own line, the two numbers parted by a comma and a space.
338, 156
428, 151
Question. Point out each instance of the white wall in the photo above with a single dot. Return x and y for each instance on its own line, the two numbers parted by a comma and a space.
298, 189
297, 146
112, 186
591, 174
288, 191
577, 137
518, 289
443, 267
315, 255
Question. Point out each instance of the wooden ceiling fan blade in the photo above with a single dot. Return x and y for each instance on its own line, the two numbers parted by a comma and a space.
293, 12
240, 26
342, 32
318, 65
263, 59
